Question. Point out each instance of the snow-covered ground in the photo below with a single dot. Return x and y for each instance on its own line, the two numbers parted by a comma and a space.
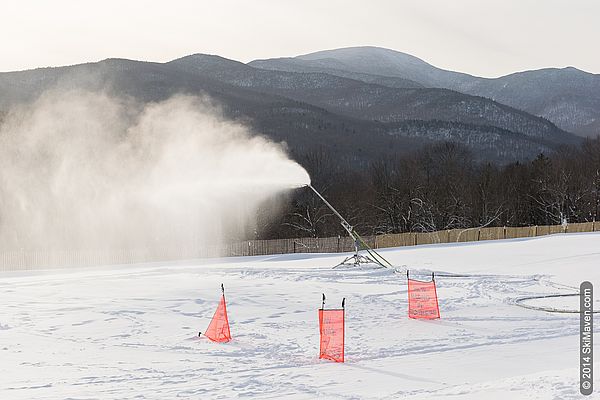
130, 332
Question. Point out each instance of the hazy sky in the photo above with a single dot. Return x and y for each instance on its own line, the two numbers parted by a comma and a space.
481, 37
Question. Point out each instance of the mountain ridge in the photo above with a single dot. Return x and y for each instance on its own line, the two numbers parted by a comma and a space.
306, 110
568, 96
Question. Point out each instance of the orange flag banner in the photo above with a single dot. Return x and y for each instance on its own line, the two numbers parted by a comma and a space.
218, 329
422, 300
331, 328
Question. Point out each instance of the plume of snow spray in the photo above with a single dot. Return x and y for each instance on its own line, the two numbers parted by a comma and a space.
81, 170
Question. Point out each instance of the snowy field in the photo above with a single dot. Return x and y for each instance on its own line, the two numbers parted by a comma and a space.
131, 332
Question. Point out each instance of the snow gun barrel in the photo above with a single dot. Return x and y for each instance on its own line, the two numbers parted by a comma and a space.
345, 223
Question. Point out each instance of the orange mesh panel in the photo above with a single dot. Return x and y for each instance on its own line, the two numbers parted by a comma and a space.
331, 327
422, 300
218, 330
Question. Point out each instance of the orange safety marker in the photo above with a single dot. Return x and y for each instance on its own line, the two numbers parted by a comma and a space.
422, 299
331, 329
218, 329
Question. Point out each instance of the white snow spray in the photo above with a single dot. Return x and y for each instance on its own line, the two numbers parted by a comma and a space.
81, 170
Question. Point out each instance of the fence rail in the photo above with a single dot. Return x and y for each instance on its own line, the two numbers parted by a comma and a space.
27, 260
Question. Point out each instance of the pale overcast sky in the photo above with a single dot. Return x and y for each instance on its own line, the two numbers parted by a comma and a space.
481, 37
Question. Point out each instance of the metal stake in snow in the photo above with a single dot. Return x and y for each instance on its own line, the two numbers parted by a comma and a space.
356, 259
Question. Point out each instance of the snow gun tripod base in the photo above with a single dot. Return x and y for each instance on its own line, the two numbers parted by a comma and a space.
356, 260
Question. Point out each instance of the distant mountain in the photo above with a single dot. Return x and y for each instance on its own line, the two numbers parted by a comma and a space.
355, 117
332, 67
568, 97
304, 127
358, 99
369, 60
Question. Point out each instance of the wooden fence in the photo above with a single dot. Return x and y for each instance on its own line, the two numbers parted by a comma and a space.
25, 260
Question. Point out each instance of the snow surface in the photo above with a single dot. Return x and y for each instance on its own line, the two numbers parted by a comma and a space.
130, 332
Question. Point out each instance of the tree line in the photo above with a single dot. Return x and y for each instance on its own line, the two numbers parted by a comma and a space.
441, 186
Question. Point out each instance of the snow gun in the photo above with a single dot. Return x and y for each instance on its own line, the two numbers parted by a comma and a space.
356, 259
